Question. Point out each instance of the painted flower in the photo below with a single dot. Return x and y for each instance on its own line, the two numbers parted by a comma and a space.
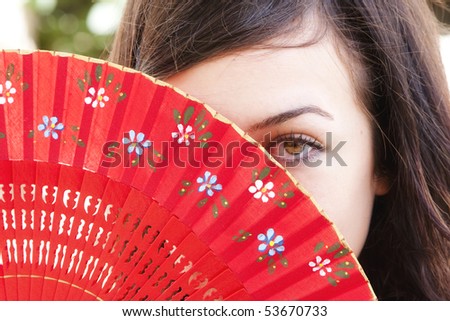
136, 142
208, 183
271, 243
261, 191
50, 127
6, 93
98, 98
184, 134
321, 266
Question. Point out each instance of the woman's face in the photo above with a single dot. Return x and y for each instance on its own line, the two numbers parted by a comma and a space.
301, 104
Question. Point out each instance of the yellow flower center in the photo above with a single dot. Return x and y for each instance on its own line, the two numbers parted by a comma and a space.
271, 243
320, 264
209, 186
8, 94
186, 136
264, 189
100, 98
53, 126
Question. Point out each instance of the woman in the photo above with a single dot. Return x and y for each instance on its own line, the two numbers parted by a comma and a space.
349, 95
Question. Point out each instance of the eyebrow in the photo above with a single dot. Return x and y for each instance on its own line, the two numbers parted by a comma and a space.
287, 115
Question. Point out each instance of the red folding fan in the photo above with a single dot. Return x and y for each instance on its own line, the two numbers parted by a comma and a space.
112, 188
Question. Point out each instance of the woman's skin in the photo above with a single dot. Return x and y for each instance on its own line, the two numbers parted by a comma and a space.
313, 82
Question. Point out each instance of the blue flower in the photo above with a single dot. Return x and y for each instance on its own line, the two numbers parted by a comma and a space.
50, 127
272, 243
136, 143
208, 183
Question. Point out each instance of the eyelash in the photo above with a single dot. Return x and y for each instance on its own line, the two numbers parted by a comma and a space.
309, 148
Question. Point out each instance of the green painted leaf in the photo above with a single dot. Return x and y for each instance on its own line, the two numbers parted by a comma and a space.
200, 117
288, 194
286, 185
346, 265
80, 143
74, 138
186, 183
205, 136
151, 163
98, 72
204, 145
109, 79
272, 269
87, 78
203, 126
215, 211
334, 247
117, 87
202, 202
182, 192
9, 71
264, 173
341, 253
254, 175
2, 135
25, 86
81, 85
284, 262
342, 274
318, 247
244, 236
261, 258
224, 201
281, 204
188, 114
31, 134
332, 281
76, 128
122, 96
176, 116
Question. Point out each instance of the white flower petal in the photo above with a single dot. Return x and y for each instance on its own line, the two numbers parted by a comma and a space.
180, 140
92, 91
259, 184
102, 104
95, 104
270, 233
252, 189
140, 137
132, 135
146, 144
41, 127
312, 264
10, 100
105, 98
271, 194
1, 88
328, 269
265, 199
188, 129
8, 84
125, 140
269, 185
53, 120
318, 259
60, 126
12, 91
101, 91
2, 100
257, 195
322, 273
88, 100
326, 261
181, 128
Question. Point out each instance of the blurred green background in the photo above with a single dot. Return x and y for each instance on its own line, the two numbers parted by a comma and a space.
80, 26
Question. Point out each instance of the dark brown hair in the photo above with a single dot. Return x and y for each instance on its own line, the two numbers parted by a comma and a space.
407, 253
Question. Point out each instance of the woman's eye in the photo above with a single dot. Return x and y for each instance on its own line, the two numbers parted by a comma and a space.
292, 150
